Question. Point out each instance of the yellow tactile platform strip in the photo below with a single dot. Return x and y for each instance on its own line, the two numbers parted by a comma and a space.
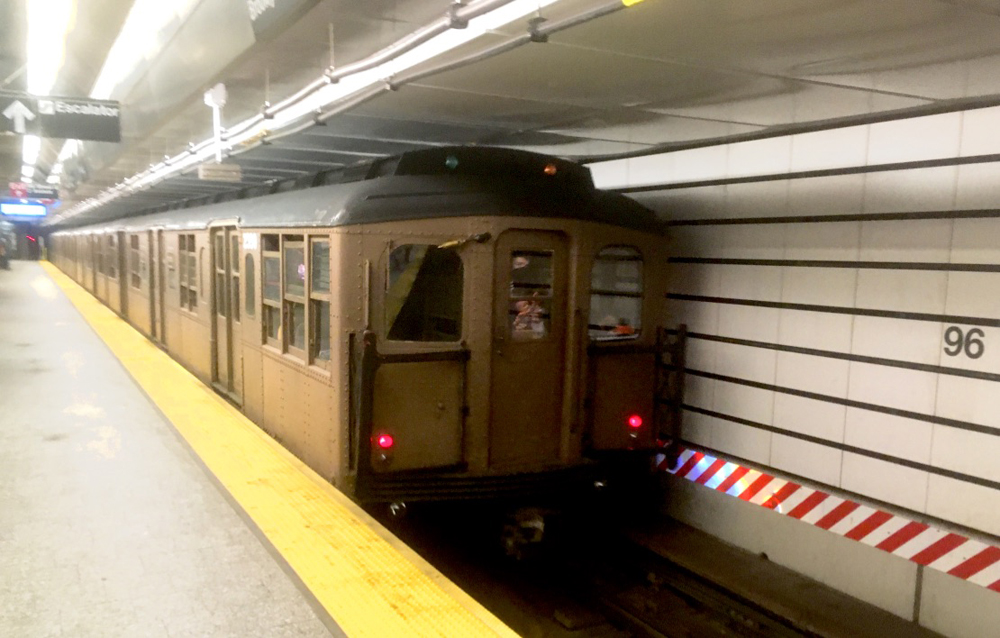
367, 580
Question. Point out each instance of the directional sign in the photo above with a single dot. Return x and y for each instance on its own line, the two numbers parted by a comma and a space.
21, 190
60, 117
18, 114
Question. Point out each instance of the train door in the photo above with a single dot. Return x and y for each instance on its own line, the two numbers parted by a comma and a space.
529, 344
123, 277
226, 308
94, 254
157, 314
151, 260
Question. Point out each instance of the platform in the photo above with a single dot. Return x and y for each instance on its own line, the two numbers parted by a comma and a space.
134, 501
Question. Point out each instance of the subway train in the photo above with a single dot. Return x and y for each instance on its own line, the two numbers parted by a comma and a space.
450, 323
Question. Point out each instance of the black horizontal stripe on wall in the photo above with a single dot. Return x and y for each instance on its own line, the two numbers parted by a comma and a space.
861, 405
852, 217
888, 458
823, 172
844, 356
825, 263
840, 310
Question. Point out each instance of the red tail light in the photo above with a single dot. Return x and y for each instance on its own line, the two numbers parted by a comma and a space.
635, 421
384, 441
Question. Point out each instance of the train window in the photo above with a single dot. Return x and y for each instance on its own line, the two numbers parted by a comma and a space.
136, 279
616, 294
187, 267
320, 331
295, 268
272, 279
296, 325
248, 274
112, 258
530, 304
424, 294
320, 269
319, 302
272, 324
271, 290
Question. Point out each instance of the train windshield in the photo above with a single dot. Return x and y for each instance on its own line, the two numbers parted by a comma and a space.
423, 298
616, 294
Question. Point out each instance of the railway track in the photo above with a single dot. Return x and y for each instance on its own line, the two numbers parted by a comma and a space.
588, 580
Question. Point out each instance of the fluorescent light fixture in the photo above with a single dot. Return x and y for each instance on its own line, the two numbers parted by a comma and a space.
150, 25
282, 115
30, 145
53, 179
27, 172
48, 24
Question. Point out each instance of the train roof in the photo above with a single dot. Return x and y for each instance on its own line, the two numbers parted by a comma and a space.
440, 182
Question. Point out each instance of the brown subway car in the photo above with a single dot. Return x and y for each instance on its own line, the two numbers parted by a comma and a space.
450, 323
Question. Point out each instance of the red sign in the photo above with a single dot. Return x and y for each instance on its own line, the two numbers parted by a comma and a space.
18, 190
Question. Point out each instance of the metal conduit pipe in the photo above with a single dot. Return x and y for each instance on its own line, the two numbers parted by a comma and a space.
462, 13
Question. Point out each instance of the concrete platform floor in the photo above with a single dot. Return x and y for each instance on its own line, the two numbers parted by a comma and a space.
108, 524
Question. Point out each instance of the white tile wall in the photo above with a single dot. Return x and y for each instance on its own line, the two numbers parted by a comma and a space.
823, 241
910, 190
836, 148
980, 133
977, 241
902, 290
970, 294
820, 330
807, 459
699, 317
749, 322
745, 442
820, 286
693, 241
745, 362
970, 400
699, 391
807, 416
977, 186
929, 137
893, 387
759, 157
757, 199
764, 241
759, 283
967, 452
835, 195
696, 279
707, 202
699, 428
898, 339
888, 434
813, 374
701, 355
926, 240
745, 402
971, 505
885, 481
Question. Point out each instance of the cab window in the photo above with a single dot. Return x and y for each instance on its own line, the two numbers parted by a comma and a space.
423, 299
616, 294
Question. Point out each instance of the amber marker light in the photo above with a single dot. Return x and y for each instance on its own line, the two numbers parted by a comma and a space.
550, 169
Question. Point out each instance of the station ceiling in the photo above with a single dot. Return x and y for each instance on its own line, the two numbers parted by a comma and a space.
609, 81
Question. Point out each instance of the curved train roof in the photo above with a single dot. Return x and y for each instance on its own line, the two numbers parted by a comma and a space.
444, 182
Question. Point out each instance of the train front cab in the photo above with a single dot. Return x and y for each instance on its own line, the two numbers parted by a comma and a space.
503, 359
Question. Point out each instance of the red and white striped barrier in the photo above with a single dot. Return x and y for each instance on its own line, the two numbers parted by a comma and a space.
938, 549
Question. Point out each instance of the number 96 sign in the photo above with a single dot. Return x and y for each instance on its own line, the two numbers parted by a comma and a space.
968, 342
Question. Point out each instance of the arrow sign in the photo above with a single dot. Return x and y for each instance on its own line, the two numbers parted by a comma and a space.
18, 113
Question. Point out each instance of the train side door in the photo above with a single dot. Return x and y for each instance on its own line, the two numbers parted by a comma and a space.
529, 345
225, 305
157, 315
151, 256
